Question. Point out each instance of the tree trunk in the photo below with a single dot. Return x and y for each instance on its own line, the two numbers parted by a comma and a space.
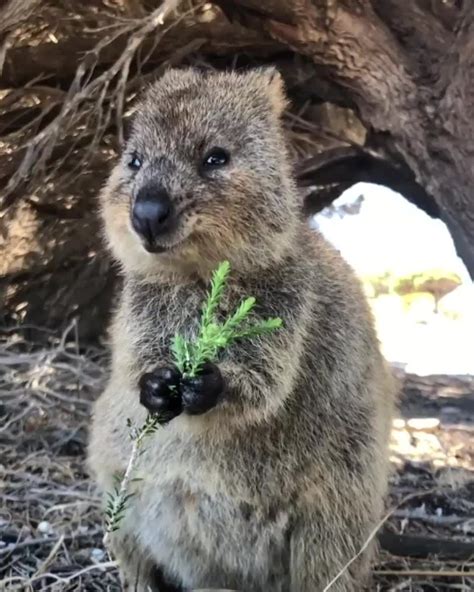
408, 70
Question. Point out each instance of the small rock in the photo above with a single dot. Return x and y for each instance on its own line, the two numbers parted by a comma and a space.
97, 554
45, 527
423, 423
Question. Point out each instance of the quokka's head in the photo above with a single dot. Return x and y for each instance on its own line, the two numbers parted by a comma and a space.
204, 175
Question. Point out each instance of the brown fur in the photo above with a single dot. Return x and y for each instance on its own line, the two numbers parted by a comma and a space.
278, 486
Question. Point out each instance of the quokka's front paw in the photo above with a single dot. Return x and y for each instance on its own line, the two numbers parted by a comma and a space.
160, 393
201, 393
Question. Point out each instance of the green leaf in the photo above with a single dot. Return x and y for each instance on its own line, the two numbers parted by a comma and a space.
180, 350
260, 328
240, 314
218, 282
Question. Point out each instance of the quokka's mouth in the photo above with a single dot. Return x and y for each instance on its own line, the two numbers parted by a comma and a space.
156, 249
160, 249
155, 246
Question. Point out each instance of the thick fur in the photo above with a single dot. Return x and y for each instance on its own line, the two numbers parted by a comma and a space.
278, 486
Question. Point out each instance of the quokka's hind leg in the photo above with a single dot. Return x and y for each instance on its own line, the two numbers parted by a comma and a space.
319, 554
137, 571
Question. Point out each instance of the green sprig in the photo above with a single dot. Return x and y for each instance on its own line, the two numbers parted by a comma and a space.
190, 356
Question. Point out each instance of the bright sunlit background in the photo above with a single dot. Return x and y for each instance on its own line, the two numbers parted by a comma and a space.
419, 289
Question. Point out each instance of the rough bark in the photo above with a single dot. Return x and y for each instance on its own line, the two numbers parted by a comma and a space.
409, 73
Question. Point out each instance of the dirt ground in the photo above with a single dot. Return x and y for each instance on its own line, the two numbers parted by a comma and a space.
50, 516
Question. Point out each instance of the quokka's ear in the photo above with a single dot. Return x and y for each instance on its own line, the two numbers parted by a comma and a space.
275, 88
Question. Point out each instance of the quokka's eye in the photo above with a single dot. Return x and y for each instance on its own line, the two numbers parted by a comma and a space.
216, 157
135, 162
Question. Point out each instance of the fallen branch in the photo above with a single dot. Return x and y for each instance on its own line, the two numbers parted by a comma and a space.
11, 549
426, 573
422, 547
432, 518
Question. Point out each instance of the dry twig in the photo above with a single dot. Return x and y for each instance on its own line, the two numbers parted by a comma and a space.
85, 87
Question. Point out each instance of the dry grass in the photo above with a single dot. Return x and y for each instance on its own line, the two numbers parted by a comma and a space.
50, 520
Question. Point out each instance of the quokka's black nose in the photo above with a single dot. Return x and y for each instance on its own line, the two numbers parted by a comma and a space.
151, 213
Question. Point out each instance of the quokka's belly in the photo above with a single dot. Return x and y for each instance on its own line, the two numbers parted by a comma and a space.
206, 539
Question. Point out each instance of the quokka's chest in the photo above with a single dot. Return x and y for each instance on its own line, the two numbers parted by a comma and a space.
157, 313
